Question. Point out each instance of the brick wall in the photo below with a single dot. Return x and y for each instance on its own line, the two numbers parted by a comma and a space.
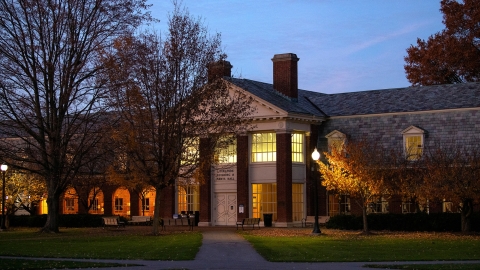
284, 177
242, 175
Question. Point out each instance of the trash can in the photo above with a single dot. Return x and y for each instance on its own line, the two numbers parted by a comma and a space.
267, 220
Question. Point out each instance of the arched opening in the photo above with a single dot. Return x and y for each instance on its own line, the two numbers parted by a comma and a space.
96, 201
70, 201
147, 201
121, 202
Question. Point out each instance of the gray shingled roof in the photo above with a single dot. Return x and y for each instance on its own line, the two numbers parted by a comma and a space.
409, 99
266, 92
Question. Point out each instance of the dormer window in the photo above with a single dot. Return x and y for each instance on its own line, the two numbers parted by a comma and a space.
336, 140
413, 140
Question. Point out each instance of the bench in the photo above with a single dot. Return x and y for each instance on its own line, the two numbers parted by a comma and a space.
112, 221
249, 221
310, 220
190, 221
137, 220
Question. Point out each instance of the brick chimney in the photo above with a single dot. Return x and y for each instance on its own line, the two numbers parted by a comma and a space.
285, 74
219, 69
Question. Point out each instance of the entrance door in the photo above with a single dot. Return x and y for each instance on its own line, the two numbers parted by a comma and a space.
226, 204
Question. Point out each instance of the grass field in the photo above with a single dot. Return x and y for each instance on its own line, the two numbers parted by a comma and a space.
298, 245
24, 264
97, 243
274, 244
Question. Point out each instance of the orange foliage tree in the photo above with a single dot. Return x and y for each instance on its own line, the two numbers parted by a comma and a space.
357, 168
451, 55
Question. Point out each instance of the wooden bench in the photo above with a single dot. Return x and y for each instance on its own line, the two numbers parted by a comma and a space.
310, 220
112, 221
249, 221
140, 220
190, 221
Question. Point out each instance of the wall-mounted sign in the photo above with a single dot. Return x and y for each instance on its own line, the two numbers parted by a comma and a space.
225, 174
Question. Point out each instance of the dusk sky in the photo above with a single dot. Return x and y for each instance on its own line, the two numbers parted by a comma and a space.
343, 45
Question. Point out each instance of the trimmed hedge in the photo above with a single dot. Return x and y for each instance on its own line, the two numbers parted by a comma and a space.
72, 221
438, 222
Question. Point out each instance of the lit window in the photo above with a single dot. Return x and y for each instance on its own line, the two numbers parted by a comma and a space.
226, 151
338, 204
297, 202
447, 206
188, 198
264, 147
264, 200
336, 139
70, 204
413, 142
191, 153
297, 147
146, 204
378, 205
118, 204
94, 205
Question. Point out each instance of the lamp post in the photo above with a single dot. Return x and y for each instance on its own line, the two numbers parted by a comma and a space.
4, 168
316, 157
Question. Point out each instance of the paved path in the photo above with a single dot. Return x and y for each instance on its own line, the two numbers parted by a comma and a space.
225, 249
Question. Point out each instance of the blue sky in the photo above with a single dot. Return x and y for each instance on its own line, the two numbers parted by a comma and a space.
343, 45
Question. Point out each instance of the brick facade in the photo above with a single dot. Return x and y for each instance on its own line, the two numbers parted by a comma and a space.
284, 177
242, 176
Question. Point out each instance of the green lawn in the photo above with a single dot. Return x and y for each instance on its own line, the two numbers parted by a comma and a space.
17, 264
446, 266
349, 247
97, 243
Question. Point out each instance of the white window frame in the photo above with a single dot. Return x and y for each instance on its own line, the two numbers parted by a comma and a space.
226, 152
267, 155
410, 132
298, 148
336, 136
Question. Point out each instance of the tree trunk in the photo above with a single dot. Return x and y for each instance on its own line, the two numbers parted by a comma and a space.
156, 213
466, 213
51, 226
365, 221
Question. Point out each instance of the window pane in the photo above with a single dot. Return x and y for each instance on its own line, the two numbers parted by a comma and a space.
264, 200
297, 202
264, 147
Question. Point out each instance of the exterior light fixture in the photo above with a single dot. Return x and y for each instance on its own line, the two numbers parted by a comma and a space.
4, 168
316, 157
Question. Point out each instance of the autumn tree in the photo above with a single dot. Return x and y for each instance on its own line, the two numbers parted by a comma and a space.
23, 190
357, 168
171, 113
407, 173
51, 102
453, 175
451, 55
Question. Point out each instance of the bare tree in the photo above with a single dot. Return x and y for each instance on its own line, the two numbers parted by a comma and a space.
407, 178
171, 114
50, 100
453, 174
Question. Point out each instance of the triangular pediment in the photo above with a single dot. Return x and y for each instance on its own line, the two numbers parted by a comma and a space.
264, 109
336, 135
413, 130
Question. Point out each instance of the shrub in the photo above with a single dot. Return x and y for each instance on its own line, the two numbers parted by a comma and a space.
439, 222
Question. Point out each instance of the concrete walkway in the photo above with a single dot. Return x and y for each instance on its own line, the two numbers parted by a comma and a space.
225, 249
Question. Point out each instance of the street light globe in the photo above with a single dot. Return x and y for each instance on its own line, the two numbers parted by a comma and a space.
4, 167
315, 155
